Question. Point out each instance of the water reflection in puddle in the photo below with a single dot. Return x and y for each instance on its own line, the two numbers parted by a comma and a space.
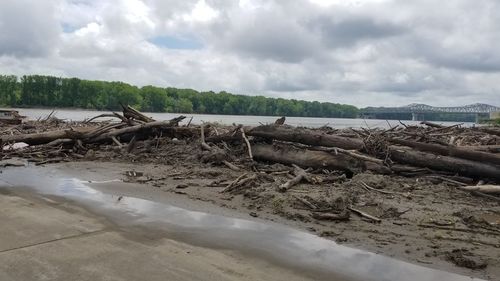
292, 248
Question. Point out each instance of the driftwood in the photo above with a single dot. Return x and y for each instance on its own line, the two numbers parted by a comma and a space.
300, 174
46, 137
430, 124
306, 158
132, 113
364, 215
444, 163
451, 151
343, 216
305, 136
488, 188
314, 159
137, 129
485, 148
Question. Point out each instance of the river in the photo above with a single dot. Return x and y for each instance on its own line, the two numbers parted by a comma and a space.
313, 122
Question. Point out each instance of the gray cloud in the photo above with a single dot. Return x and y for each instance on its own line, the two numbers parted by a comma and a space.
28, 28
364, 52
350, 31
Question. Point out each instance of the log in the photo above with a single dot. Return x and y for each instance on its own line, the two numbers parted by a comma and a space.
305, 136
485, 148
46, 137
451, 150
444, 163
314, 159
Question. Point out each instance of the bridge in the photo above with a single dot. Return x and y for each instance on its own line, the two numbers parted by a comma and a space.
418, 110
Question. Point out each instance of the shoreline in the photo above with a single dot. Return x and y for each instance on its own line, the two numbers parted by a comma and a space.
406, 243
98, 176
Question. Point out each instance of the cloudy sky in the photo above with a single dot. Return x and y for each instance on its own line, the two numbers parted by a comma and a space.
361, 52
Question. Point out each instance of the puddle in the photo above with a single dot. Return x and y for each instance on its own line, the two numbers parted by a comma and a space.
288, 247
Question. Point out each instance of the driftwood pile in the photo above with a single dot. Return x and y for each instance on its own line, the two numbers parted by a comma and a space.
468, 157
78, 139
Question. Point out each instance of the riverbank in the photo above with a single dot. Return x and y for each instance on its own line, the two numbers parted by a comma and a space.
422, 215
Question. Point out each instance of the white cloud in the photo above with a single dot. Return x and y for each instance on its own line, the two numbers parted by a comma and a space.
364, 52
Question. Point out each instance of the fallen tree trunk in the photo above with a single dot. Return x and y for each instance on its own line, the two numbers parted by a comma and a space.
46, 137
451, 151
485, 148
314, 159
305, 136
444, 163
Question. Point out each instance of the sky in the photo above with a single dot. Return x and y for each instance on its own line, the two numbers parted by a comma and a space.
360, 52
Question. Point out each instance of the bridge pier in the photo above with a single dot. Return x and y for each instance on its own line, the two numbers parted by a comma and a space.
417, 116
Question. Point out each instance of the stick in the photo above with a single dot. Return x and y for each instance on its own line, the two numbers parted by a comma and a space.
487, 188
363, 214
189, 123
247, 142
300, 174
367, 187
131, 144
204, 145
343, 216
305, 202
116, 141
230, 165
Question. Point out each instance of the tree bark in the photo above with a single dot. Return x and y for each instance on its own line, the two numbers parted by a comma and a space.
305, 136
444, 163
314, 159
46, 137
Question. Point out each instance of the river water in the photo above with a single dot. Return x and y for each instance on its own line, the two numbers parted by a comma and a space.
313, 122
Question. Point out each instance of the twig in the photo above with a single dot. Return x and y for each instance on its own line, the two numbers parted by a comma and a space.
131, 144
363, 214
367, 187
305, 202
230, 165
116, 141
343, 216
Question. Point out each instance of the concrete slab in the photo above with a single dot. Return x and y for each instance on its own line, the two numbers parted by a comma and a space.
41, 240
26, 222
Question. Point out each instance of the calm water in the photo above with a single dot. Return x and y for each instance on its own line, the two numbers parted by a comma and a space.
80, 115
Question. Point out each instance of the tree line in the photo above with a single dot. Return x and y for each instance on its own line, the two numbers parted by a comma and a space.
50, 91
